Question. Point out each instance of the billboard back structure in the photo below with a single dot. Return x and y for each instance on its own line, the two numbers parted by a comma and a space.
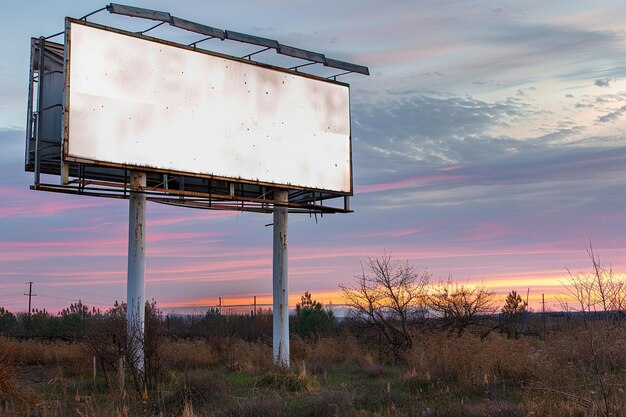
209, 130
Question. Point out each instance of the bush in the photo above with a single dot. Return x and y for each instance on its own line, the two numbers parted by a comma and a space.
107, 340
311, 319
8, 321
461, 307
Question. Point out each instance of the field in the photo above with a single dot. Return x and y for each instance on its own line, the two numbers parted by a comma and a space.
569, 372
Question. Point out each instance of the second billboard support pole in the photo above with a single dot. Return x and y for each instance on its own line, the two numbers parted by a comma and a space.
280, 328
135, 289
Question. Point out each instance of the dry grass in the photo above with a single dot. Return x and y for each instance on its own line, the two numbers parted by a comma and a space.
241, 356
190, 354
234, 353
468, 361
72, 357
8, 370
328, 352
338, 376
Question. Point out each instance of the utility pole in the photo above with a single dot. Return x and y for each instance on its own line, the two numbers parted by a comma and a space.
30, 296
543, 312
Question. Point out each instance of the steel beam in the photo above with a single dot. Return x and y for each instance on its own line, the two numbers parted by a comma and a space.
280, 328
40, 83
135, 290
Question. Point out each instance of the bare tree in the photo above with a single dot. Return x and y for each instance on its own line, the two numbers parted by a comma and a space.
597, 291
388, 297
598, 298
459, 307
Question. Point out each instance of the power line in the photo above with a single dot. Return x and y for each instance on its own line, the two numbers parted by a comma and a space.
543, 312
53, 297
76, 291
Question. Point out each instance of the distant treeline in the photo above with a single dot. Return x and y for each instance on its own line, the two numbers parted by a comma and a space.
78, 321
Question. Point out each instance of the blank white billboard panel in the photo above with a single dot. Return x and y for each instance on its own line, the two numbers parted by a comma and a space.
136, 102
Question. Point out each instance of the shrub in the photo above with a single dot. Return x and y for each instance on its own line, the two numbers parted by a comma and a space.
311, 319
460, 307
8, 321
107, 340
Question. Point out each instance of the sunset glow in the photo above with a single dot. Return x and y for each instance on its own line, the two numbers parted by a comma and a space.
488, 145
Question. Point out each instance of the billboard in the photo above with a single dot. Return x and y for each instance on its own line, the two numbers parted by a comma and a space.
140, 103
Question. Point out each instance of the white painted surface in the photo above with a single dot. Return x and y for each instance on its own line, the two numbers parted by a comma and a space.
135, 284
280, 284
141, 103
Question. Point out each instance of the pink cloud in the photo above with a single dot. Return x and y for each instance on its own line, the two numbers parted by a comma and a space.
15, 251
26, 204
388, 234
488, 230
201, 275
11, 192
450, 168
170, 236
410, 183
55, 207
608, 217
301, 253
11, 211
75, 243
212, 267
88, 271
96, 224
202, 215
65, 244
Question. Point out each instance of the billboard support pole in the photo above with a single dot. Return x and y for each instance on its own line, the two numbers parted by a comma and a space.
40, 80
280, 323
135, 297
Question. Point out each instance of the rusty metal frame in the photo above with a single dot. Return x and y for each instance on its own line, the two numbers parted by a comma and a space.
165, 17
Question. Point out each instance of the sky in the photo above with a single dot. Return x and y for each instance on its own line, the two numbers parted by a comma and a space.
489, 145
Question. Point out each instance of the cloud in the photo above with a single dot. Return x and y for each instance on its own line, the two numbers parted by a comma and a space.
387, 234
612, 116
547, 180
450, 168
406, 144
602, 83
437, 130
12, 141
519, 52
410, 183
547, 37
